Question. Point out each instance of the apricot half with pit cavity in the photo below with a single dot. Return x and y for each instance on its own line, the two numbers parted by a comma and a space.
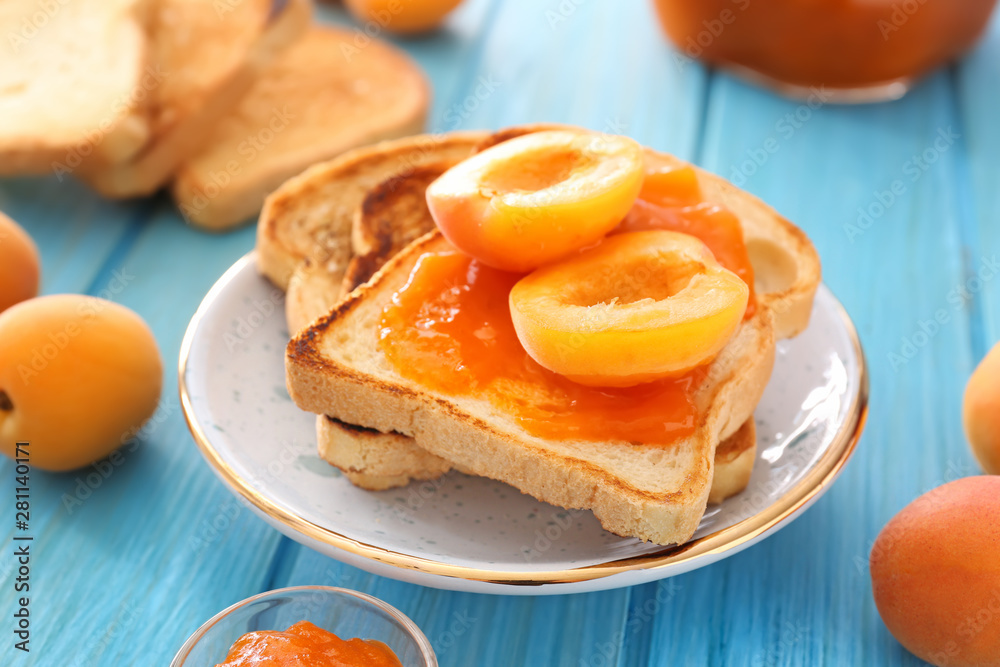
78, 376
537, 198
638, 307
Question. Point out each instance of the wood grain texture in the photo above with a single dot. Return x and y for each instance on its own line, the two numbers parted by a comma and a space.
127, 565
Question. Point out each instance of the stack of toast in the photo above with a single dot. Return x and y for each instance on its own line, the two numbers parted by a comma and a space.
221, 101
343, 237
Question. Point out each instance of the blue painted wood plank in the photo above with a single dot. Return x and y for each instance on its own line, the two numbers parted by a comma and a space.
894, 270
158, 546
979, 100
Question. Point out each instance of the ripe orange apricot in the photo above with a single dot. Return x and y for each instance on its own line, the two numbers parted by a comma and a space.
981, 412
78, 375
402, 16
537, 198
936, 574
19, 264
640, 306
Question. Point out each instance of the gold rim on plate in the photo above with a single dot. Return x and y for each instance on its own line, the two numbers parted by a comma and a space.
822, 475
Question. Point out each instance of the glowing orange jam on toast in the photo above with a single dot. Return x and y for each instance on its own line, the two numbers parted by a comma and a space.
306, 645
450, 329
671, 199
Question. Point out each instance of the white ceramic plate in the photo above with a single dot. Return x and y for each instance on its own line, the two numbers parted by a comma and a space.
473, 534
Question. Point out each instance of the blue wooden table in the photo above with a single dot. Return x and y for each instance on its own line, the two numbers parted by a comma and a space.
130, 559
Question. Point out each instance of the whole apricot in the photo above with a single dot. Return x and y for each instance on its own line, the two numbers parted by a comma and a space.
403, 17
936, 574
981, 412
78, 376
19, 265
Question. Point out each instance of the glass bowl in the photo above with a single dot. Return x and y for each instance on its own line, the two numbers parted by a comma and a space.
346, 613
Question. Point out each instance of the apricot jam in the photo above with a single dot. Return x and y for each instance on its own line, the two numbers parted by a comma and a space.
306, 645
672, 200
846, 45
449, 328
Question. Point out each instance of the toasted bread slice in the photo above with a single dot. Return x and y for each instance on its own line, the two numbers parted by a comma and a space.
322, 97
378, 461
393, 214
212, 53
311, 216
72, 83
652, 492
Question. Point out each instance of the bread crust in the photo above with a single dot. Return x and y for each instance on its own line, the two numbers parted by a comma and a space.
322, 97
355, 387
188, 38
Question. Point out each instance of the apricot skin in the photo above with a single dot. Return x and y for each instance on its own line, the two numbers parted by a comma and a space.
935, 571
78, 376
403, 17
19, 264
981, 412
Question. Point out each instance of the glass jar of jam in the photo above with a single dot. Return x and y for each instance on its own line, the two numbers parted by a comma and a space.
857, 50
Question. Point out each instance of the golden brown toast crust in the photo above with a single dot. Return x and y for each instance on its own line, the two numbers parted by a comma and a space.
393, 214
311, 215
549, 471
789, 274
322, 97
378, 461
213, 57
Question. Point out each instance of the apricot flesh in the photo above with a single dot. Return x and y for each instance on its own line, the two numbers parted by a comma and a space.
78, 376
537, 198
19, 264
403, 17
935, 571
981, 412
641, 306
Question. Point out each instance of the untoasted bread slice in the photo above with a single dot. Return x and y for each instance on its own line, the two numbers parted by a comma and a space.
652, 492
322, 97
212, 54
311, 216
378, 461
72, 83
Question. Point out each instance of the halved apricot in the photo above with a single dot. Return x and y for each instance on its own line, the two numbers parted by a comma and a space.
638, 307
671, 199
537, 198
